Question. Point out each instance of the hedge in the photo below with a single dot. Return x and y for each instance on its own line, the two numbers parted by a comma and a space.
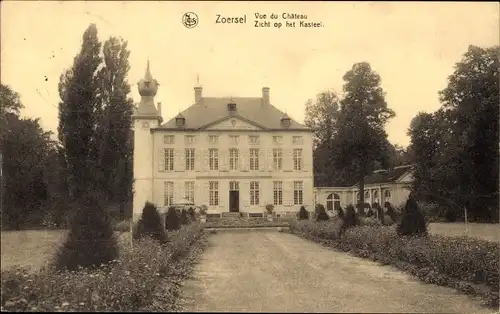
144, 278
470, 265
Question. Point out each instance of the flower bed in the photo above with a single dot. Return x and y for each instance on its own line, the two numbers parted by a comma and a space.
469, 265
145, 278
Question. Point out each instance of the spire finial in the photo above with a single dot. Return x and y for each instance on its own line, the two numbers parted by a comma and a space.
198, 80
148, 75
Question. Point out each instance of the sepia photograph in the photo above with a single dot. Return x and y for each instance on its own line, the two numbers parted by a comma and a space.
250, 156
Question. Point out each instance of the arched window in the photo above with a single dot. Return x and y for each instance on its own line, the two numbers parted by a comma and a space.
375, 197
387, 196
367, 195
332, 201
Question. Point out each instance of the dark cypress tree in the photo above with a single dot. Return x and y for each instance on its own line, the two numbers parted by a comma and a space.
150, 223
172, 221
413, 220
90, 241
391, 212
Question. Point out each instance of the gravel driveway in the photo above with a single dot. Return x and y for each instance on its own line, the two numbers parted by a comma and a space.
268, 271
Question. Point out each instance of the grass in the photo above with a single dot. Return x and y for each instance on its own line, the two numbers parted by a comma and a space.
482, 231
34, 248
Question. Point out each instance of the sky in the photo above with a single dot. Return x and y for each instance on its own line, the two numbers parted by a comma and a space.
412, 46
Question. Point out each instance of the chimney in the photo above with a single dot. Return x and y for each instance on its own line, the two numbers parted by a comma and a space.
265, 95
197, 93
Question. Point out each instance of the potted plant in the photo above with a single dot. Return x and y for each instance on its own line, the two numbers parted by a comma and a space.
270, 209
203, 213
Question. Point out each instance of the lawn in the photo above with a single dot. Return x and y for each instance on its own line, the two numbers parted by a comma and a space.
488, 232
33, 248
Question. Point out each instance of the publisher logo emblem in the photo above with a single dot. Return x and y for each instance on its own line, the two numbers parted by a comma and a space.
190, 19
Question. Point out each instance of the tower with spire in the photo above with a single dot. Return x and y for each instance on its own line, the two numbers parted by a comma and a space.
146, 117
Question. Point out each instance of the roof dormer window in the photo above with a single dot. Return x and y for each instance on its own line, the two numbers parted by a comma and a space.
231, 107
180, 120
285, 121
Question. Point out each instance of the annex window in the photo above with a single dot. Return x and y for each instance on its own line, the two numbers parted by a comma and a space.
190, 139
277, 158
253, 139
297, 140
278, 139
168, 139
213, 139
234, 139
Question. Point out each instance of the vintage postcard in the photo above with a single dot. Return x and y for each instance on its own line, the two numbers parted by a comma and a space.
249, 156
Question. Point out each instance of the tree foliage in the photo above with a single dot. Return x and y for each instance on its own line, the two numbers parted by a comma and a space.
456, 147
362, 140
25, 149
413, 220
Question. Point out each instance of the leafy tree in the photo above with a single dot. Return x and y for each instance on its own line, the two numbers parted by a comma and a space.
321, 117
150, 223
362, 139
24, 146
413, 220
460, 136
113, 132
90, 241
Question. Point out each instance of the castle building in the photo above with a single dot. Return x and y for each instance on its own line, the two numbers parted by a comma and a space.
234, 154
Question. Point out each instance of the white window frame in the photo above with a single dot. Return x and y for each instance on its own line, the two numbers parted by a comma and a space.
254, 159
168, 193
234, 157
277, 158
297, 159
254, 193
189, 154
214, 193
213, 158
278, 192
169, 156
189, 190
298, 192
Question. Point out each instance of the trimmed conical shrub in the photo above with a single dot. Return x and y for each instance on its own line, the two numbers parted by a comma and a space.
350, 219
150, 223
340, 212
413, 220
91, 240
380, 212
390, 211
321, 214
184, 217
303, 214
192, 213
172, 221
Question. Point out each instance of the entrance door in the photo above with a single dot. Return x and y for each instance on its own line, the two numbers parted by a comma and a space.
234, 201
234, 196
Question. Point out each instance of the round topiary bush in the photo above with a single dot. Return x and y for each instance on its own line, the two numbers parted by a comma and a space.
303, 214
172, 221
